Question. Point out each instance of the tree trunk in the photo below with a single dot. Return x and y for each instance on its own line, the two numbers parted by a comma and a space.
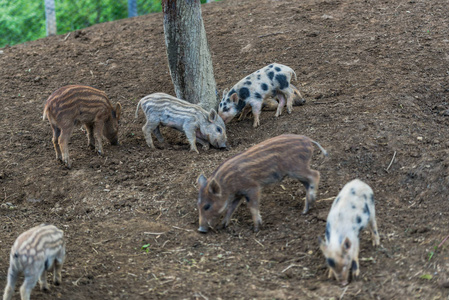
188, 53
132, 8
50, 17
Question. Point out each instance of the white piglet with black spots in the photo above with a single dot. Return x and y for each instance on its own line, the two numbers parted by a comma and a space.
352, 211
270, 81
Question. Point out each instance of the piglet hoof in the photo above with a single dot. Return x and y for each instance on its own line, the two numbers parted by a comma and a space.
203, 229
195, 150
100, 152
44, 288
305, 211
91, 146
57, 282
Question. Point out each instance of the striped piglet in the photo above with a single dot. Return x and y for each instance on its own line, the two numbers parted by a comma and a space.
197, 124
244, 175
35, 252
76, 104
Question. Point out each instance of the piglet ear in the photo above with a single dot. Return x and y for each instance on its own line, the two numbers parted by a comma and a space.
118, 110
321, 243
346, 244
201, 181
225, 92
234, 98
214, 188
212, 115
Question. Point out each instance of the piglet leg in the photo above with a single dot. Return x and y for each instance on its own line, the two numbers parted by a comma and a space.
373, 228
235, 203
12, 279
56, 134
252, 197
64, 145
256, 109
147, 129
191, 137
281, 105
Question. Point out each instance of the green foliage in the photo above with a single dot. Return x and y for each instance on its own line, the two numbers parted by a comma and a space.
146, 248
21, 20
24, 20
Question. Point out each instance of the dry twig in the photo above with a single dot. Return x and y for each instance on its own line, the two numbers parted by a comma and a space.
391, 162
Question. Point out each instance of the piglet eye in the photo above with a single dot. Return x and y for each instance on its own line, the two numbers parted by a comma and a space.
219, 129
206, 207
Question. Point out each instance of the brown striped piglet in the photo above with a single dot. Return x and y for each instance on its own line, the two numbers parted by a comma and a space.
36, 251
270, 81
351, 212
197, 124
71, 105
273, 103
244, 175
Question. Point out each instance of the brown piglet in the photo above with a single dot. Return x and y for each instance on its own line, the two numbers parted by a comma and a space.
244, 175
72, 105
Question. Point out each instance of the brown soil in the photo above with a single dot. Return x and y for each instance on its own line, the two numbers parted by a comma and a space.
375, 76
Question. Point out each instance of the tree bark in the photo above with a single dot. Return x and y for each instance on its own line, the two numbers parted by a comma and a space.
132, 8
50, 17
188, 53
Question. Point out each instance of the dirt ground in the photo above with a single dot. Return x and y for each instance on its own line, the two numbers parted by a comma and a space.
376, 79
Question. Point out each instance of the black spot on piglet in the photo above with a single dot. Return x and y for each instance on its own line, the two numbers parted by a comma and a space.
244, 93
366, 209
328, 231
231, 92
271, 75
354, 265
264, 86
277, 69
258, 96
240, 105
282, 79
358, 220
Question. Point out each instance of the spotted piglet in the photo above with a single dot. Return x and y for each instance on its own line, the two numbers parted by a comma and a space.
270, 81
351, 212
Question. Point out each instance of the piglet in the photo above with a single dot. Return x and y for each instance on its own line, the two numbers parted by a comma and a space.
244, 175
77, 104
273, 103
351, 212
270, 81
197, 124
36, 251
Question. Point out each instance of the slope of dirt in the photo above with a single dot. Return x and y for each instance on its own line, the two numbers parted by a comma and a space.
376, 78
